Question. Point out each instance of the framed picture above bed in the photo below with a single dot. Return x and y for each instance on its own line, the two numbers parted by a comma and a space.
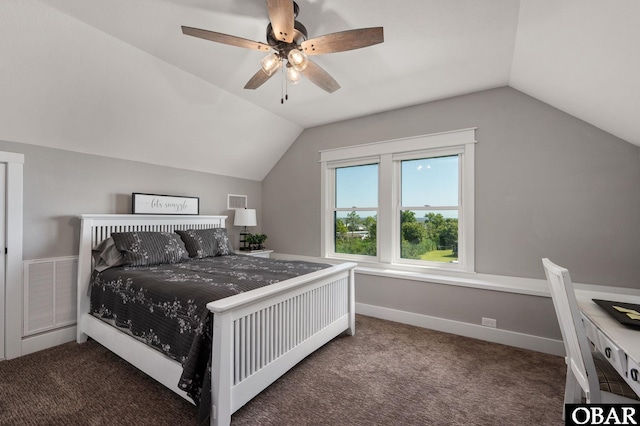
164, 204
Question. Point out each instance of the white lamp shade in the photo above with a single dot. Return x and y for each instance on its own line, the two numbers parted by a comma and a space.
245, 217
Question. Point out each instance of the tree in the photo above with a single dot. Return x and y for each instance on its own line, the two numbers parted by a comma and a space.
408, 216
341, 228
370, 226
433, 222
449, 232
440, 230
413, 232
352, 221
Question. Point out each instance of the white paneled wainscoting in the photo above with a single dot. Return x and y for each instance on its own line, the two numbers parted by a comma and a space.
49, 311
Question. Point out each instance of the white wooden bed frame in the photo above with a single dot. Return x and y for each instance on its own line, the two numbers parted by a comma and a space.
257, 336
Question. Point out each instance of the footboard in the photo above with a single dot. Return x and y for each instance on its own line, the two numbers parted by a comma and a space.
258, 336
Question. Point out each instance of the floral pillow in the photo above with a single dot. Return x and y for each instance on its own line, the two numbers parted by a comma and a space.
206, 242
150, 248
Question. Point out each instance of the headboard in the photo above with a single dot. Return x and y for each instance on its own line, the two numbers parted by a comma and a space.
95, 228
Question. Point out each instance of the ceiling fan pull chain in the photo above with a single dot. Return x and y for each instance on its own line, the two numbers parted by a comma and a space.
282, 86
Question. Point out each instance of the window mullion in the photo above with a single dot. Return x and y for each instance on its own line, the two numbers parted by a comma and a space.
354, 209
468, 203
386, 206
326, 205
430, 208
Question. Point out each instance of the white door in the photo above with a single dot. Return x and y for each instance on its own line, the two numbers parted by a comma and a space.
3, 258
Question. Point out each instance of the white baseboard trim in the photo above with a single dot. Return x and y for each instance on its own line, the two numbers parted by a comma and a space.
48, 339
495, 335
53, 338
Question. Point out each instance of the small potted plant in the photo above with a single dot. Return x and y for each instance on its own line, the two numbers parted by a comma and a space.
256, 241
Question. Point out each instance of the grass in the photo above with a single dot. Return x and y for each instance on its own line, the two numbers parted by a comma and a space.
439, 256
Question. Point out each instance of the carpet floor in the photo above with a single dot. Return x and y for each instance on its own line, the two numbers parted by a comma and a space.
387, 374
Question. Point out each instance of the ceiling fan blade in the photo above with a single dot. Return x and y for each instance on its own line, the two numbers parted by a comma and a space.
225, 39
258, 79
342, 41
320, 77
281, 17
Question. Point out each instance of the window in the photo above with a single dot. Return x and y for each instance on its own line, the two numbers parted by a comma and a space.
404, 202
428, 211
356, 210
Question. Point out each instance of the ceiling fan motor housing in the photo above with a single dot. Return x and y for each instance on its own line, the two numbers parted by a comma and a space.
283, 48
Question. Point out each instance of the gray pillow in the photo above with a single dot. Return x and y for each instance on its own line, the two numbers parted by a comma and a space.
206, 242
105, 255
150, 248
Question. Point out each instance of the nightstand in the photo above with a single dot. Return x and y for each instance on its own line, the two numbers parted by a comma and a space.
255, 253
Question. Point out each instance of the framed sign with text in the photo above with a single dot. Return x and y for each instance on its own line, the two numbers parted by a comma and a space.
164, 204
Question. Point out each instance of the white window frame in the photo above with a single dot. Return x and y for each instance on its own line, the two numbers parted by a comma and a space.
331, 188
388, 155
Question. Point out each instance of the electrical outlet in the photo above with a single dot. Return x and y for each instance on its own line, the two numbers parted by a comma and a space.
489, 322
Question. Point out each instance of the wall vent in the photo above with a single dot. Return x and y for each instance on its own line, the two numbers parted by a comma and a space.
236, 201
49, 294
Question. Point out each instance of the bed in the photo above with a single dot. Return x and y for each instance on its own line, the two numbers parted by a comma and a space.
257, 335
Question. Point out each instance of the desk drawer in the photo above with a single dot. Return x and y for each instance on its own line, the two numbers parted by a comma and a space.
633, 377
615, 355
592, 331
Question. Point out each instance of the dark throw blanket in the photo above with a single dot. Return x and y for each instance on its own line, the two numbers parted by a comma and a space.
165, 306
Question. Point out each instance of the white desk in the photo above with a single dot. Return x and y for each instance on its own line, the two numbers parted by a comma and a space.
619, 343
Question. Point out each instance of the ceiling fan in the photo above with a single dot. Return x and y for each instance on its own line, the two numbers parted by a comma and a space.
291, 47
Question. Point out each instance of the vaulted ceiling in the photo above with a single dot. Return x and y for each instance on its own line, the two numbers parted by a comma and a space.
118, 78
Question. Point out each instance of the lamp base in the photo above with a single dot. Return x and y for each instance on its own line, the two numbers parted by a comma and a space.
243, 241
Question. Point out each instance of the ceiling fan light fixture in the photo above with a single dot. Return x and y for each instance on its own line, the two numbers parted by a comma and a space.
298, 59
270, 63
293, 75
290, 40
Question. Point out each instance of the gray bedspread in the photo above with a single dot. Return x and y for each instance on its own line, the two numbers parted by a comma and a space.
165, 305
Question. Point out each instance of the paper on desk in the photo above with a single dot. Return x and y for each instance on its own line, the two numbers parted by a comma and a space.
625, 310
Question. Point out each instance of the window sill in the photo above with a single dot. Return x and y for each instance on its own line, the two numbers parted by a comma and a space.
517, 285
529, 286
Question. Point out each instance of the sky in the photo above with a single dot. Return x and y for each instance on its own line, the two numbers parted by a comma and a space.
425, 182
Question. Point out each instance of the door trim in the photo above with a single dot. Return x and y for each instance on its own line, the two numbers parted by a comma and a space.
13, 272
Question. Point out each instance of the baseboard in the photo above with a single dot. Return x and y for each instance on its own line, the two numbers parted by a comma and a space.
536, 343
495, 335
48, 339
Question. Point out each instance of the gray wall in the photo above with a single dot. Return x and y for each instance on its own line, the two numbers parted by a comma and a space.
546, 185
60, 185
519, 313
